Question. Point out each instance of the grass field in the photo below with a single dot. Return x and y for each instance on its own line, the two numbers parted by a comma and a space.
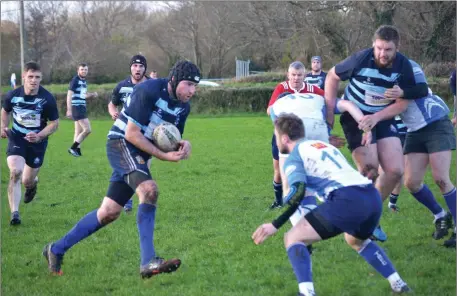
208, 208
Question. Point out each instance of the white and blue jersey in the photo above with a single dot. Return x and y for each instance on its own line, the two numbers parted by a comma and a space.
149, 106
310, 108
30, 113
122, 92
317, 80
423, 111
79, 88
368, 82
322, 167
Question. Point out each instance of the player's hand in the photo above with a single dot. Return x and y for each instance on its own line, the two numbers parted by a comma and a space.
185, 147
368, 122
114, 115
69, 115
394, 93
95, 94
336, 141
366, 138
263, 232
4, 132
174, 156
33, 137
454, 121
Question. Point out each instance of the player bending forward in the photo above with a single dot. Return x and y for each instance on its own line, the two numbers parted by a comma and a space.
352, 205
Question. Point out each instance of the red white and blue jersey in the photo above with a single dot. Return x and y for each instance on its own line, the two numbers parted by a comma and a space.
285, 87
368, 82
150, 105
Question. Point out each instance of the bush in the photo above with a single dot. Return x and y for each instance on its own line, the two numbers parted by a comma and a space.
439, 69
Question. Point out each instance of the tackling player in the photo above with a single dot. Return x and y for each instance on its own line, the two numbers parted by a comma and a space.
353, 206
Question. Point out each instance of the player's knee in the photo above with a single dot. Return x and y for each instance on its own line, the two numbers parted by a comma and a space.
442, 183
354, 243
290, 239
87, 130
394, 172
412, 184
370, 171
15, 175
108, 214
150, 193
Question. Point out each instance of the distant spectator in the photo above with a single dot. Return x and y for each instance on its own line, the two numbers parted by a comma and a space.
153, 74
317, 76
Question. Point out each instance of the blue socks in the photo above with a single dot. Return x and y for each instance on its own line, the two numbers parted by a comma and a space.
376, 257
450, 198
277, 187
145, 222
85, 227
425, 197
301, 262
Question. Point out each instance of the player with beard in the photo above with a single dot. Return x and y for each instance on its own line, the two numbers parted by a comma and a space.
121, 95
76, 108
376, 75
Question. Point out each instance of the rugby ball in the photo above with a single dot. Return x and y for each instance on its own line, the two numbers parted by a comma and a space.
166, 137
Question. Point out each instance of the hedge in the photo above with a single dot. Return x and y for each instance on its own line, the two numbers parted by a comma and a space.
224, 100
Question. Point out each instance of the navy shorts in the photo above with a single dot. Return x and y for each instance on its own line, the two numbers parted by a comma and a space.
274, 148
355, 210
436, 137
33, 153
384, 129
125, 158
78, 112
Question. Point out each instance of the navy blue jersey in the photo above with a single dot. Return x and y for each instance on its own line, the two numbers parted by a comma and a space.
122, 91
317, 80
30, 113
149, 106
368, 82
79, 88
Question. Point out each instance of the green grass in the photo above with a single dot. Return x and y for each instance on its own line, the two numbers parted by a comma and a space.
209, 206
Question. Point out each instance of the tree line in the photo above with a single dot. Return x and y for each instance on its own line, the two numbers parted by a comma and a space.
105, 34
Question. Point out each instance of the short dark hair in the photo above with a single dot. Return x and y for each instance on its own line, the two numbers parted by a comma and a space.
34, 66
291, 125
387, 33
82, 65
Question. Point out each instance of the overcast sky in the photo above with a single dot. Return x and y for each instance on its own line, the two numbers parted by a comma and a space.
10, 9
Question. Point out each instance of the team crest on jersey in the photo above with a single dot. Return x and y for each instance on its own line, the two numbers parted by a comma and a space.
139, 159
319, 145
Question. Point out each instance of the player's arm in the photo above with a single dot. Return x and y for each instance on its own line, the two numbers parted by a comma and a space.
114, 102
279, 89
332, 82
69, 96
5, 123
138, 113
133, 135
369, 121
412, 84
296, 194
350, 107
7, 107
293, 199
